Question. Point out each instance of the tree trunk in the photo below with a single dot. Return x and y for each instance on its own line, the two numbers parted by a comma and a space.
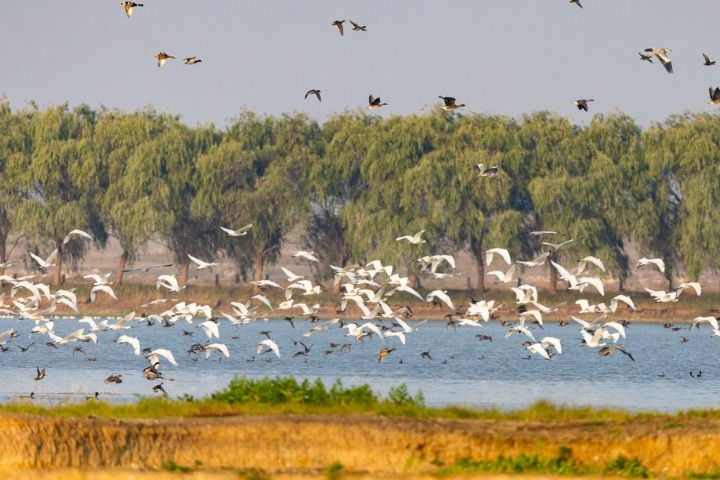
184, 268
480, 264
57, 277
476, 248
123, 263
3, 253
259, 268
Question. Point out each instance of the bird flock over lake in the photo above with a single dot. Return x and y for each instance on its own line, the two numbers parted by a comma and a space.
375, 303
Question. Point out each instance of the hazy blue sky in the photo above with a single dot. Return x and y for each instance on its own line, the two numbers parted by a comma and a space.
497, 56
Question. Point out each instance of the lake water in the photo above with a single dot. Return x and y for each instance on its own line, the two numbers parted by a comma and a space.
463, 371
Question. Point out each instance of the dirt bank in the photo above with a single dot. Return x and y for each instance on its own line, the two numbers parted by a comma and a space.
376, 446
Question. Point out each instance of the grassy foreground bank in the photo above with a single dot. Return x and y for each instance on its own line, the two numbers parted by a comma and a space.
273, 427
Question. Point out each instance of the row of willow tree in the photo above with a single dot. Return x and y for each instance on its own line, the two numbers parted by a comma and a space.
357, 182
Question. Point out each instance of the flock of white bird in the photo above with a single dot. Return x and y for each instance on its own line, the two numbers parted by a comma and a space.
365, 295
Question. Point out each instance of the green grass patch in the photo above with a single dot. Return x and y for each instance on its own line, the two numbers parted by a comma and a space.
623, 466
562, 464
714, 475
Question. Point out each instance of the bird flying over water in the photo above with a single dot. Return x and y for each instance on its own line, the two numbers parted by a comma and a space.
708, 62
191, 60
576, 2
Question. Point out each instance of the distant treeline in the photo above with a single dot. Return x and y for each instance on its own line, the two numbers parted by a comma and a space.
357, 182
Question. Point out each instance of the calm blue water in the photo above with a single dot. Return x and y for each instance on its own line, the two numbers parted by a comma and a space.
464, 371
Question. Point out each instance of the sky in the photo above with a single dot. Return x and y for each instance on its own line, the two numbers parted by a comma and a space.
508, 57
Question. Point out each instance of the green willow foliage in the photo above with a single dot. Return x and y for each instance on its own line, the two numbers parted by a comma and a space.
356, 182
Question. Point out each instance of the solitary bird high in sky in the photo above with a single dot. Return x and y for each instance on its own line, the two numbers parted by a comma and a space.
129, 7
313, 92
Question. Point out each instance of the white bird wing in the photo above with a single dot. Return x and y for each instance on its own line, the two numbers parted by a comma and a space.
539, 349
595, 261
441, 295
263, 299
617, 326
40, 261
694, 285
220, 347
290, 275
200, 264
621, 298
554, 341
102, 288
500, 251
595, 282
534, 313
372, 327
399, 335
449, 259
210, 328
76, 232
270, 344
711, 320
564, 274
410, 290
583, 323
162, 352
132, 341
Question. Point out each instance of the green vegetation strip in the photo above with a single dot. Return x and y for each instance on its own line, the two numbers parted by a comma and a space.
286, 395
